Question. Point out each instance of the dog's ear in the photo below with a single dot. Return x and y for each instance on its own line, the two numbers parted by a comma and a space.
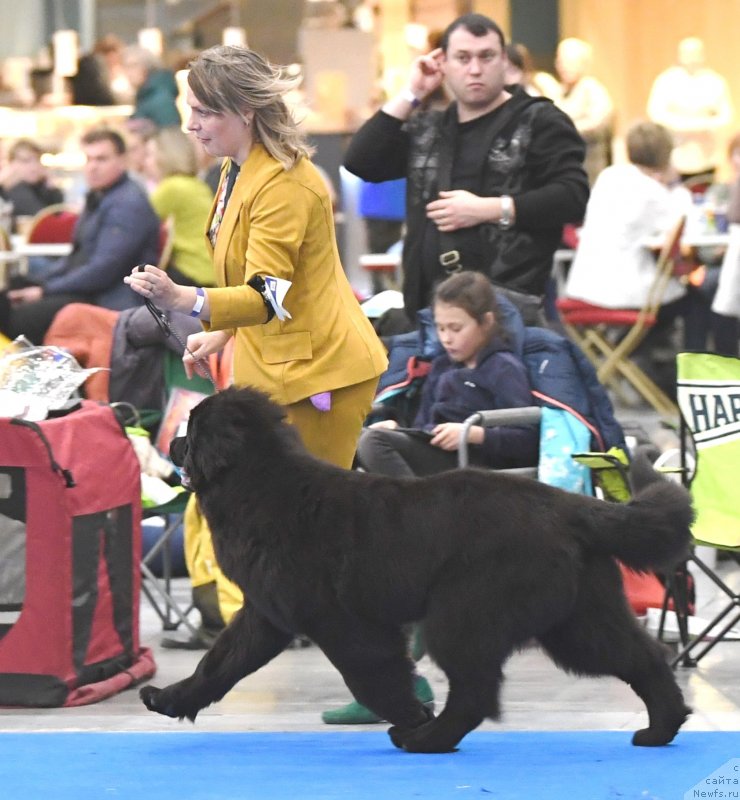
232, 427
211, 444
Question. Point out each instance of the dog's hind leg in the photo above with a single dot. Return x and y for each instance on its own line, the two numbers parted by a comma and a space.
247, 643
470, 646
603, 637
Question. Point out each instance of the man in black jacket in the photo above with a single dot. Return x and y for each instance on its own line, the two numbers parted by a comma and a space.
492, 179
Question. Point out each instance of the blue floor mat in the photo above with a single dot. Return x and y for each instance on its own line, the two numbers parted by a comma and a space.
364, 765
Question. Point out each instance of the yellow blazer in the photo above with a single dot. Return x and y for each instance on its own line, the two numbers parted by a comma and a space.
280, 223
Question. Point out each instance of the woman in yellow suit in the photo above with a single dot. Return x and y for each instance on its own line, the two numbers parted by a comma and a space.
272, 219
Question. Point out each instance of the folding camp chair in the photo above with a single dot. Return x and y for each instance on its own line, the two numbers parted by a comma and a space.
610, 336
708, 392
610, 482
158, 588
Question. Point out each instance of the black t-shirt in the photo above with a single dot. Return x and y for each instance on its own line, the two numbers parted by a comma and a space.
468, 168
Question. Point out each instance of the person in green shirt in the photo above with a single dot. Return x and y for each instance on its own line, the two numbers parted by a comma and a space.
171, 164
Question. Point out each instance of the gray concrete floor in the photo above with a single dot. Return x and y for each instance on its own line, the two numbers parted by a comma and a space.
290, 692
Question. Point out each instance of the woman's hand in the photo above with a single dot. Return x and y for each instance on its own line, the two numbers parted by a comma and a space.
200, 346
447, 435
157, 286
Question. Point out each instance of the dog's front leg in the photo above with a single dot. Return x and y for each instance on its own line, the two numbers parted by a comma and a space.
247, 643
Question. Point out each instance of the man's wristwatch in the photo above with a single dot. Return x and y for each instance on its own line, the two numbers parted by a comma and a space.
507, 212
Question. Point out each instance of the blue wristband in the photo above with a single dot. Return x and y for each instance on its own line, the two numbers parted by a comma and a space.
200, 298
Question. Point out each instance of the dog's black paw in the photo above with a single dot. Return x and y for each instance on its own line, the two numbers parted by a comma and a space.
164, 701
429, 737
659, 735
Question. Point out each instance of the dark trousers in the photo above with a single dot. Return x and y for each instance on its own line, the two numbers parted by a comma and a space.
32, 320
699, 323
402, 453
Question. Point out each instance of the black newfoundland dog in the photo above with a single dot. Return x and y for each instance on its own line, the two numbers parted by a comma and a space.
488, 561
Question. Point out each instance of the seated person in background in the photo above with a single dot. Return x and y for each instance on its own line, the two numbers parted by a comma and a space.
136, 141
629, 202
522, 72
694, 103
733, 200
476, 371
156, 88
587, 102
721, 208
24, 180
117, 230
171, 164
91, 84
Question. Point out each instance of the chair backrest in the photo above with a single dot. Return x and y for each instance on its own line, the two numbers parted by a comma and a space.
665, 265
709, 398
166, 241
53, 225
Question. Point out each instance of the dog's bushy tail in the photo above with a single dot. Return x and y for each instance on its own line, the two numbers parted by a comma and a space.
653, 530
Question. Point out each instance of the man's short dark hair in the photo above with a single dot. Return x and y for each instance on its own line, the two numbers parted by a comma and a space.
477, 24
105, 135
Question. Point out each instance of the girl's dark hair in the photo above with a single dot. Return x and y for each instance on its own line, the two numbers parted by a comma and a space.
471, 291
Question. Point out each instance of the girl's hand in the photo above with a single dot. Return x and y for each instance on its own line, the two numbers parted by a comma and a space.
199, 347
447, 435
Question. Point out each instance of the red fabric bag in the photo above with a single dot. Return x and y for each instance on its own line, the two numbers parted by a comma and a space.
70, 547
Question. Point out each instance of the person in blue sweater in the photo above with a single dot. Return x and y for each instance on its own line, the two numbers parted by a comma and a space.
478, 371
117, 230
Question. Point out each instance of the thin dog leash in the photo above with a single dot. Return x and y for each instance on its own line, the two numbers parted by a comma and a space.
166, 327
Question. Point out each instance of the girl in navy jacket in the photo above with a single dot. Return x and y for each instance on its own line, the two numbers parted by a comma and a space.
476, 372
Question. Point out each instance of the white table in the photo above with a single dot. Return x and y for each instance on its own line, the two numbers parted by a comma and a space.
690, 239
51, 249
15, 261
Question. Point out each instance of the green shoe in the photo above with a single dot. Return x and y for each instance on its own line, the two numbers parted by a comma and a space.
423, 691
355, 713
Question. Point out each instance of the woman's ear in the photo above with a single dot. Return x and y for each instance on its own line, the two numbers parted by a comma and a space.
489, 320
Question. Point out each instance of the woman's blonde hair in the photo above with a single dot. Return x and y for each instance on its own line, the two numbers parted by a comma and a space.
237, 79
175, 152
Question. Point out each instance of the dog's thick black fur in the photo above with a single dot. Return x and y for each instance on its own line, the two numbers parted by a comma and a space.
487, 560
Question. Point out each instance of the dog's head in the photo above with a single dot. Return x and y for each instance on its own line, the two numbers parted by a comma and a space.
234, 427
